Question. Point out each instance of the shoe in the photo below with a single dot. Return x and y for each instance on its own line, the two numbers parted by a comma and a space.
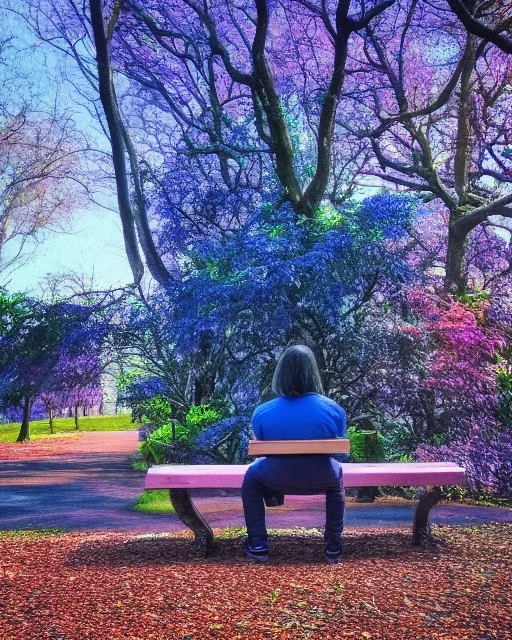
332, 554
259, 553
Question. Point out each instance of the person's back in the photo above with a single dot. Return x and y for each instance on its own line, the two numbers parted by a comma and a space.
311, 416
300, 412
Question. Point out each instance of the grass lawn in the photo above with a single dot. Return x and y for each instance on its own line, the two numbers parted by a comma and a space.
124, 586
154, 501
41, 428
31, 534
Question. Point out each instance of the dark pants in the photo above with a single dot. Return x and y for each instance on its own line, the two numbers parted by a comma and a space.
293, 475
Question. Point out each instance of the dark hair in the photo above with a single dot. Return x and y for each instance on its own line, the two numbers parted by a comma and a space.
297, 373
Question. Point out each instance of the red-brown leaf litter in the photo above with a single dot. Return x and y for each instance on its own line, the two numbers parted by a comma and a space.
111, 586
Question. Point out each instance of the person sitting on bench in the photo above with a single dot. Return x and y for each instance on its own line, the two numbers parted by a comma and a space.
300, 412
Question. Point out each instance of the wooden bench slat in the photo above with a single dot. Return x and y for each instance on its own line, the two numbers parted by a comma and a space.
355, 474
295, 447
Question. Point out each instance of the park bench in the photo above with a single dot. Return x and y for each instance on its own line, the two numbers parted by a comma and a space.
180, 479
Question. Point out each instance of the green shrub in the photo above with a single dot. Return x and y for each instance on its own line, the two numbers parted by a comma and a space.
198, 418
154, 448
398, 442
202, 416
172, 440
156, 411
505, 397
474, 300
365, 445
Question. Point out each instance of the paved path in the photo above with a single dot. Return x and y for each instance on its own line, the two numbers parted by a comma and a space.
96, 491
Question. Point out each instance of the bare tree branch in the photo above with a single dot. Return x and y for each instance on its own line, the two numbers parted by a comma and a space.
478, 28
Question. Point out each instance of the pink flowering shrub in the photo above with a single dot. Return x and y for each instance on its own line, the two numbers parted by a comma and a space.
462, 374
462, 348
438, 385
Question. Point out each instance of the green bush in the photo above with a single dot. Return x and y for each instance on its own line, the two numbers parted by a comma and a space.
198, 418
154, 448
474, 300
365, 445
398, 441
172, 440
156, 411
505, 397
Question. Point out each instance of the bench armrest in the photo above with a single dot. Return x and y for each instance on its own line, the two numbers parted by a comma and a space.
297, 447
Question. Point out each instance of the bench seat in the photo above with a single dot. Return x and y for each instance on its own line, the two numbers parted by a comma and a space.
355, 474
180, 479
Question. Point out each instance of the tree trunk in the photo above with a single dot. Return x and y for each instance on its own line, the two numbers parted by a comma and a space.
76, 418
204, 386
108, 101
24, 434
50, 417
464, 142
456, 278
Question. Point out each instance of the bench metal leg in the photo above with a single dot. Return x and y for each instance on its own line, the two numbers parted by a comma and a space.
421, 532
187, 512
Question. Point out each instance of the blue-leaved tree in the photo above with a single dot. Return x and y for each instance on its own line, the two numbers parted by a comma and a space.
274, 281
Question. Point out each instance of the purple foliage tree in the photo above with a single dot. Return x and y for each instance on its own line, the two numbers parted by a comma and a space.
434, 110
52, 402
77, 382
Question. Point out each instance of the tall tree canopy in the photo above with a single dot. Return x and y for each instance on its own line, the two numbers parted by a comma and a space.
298, 101
434, 103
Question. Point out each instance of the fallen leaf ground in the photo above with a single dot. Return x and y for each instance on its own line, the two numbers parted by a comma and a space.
110, 586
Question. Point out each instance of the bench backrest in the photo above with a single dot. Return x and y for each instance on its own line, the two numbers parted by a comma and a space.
296, 447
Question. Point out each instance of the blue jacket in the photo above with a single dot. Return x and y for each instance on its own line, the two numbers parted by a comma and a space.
308, 417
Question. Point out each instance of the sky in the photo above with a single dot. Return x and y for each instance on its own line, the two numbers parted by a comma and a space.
94, 244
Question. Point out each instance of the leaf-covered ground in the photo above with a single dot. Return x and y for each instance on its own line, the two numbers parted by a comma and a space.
106, 586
